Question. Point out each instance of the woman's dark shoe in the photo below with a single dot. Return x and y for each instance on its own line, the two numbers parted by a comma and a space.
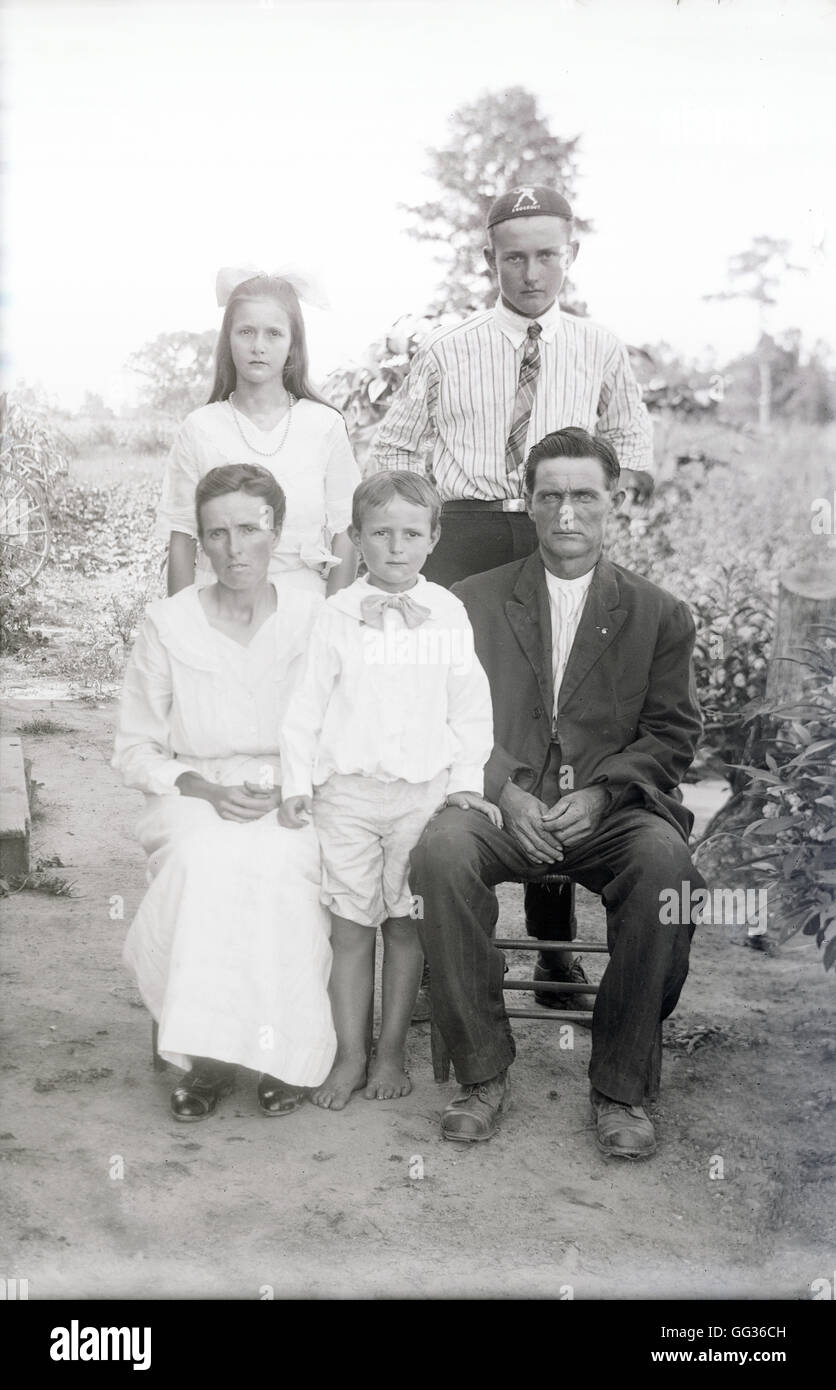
276, 1097
199, 1091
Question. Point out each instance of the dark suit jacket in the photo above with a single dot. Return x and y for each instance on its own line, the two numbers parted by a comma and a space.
627, 714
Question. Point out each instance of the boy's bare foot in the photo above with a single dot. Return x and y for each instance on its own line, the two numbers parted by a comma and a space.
344, 1078
387, 1079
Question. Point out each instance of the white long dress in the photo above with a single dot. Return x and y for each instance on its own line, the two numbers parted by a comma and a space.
315, 467
230, 946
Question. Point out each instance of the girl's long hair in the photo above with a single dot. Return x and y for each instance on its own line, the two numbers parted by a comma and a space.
295, 375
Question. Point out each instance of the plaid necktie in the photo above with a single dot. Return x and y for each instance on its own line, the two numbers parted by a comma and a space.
372, 608
526, 387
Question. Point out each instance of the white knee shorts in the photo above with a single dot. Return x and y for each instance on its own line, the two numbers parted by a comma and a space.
366, 830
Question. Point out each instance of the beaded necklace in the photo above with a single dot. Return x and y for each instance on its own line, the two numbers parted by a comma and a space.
264, 453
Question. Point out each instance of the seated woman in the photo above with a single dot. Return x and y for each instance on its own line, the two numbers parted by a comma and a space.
230, 946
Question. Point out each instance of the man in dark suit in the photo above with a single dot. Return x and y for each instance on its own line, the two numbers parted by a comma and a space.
595, 724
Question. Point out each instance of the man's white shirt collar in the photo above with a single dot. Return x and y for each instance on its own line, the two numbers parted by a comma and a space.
515, 327
569, 586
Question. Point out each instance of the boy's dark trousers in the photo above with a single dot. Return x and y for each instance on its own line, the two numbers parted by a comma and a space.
475, 538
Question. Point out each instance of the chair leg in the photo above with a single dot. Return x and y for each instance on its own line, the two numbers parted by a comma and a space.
654, 1070
370, 1015
440, 1055
159, 1064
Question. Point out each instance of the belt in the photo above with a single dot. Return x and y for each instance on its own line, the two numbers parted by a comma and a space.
472, 504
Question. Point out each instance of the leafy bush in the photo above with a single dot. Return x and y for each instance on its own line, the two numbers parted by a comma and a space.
150, 435
364, 391
16, 609
719, 537
145, 434
16, 631
30, 439
99, 530
788, 805
102, 644
731, 655
732, 603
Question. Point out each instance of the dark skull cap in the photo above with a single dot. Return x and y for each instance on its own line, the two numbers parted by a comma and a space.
530, 200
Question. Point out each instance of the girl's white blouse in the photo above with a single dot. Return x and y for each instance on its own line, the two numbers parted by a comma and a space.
315, 467
194, 699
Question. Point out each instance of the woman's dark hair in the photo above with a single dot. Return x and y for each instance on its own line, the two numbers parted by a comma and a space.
572, 443
243, 477
295, 375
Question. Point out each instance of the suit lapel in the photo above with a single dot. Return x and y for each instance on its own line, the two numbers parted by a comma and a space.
601, 620
527, 612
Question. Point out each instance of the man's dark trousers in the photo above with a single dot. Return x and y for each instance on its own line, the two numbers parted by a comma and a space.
632, 858
474, 540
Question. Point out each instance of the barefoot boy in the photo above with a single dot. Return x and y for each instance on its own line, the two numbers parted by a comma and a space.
391, 719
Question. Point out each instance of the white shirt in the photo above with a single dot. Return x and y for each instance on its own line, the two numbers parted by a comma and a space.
193, 699
566, 603
315, 468
461, 390
389, 703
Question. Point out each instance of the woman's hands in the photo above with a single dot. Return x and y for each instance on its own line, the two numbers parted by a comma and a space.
249, 802
295, 812
471, 801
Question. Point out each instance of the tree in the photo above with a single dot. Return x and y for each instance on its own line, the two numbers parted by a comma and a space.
177, 368
496, 143
93, 405
802, 385
756, 275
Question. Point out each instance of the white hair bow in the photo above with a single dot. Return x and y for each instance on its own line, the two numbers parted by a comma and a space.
306, 286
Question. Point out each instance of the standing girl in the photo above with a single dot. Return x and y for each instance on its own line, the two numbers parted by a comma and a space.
263, 410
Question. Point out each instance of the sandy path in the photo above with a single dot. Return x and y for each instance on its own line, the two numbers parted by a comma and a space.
324, 1204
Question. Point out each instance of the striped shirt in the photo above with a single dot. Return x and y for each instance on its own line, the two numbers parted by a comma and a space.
462, 385
566, 601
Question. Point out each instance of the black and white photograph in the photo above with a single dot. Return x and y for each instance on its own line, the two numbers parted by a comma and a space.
418, 665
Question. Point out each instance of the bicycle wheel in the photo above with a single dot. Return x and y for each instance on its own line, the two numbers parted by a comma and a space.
25, 532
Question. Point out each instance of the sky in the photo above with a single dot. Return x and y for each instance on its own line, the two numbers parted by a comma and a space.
147, 145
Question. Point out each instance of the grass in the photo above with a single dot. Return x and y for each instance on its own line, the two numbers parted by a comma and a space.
37, 881
42, 724
109, 464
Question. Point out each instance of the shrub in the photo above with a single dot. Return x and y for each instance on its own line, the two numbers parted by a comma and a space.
103, 642
364, 391
99, 530
16, 607
719, 537
150, 435
788, 805
29, 438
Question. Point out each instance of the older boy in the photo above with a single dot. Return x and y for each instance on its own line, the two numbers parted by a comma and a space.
483, 392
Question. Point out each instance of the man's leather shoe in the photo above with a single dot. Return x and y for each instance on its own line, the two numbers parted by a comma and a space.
624, 1131
472, 1114
568, 971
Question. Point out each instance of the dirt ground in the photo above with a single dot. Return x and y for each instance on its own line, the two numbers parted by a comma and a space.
324, 1205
